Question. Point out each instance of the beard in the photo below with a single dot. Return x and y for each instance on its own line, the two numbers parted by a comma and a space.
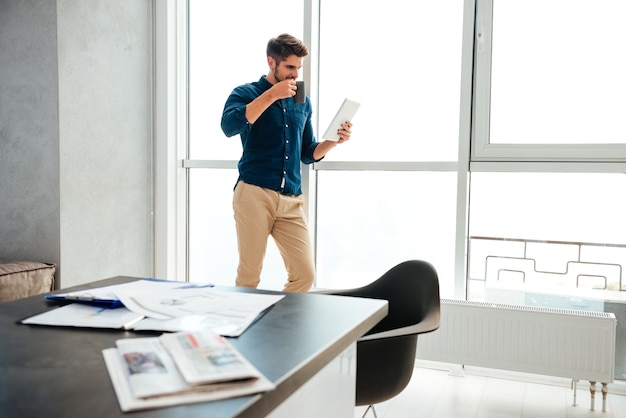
278, 78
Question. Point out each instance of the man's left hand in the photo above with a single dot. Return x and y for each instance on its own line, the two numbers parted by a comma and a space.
345, 132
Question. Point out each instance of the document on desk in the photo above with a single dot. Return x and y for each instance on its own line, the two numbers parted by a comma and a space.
79, 315
227, 313
106, 296
167, 306
179, 368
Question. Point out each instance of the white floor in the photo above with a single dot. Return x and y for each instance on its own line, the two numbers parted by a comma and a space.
437, 394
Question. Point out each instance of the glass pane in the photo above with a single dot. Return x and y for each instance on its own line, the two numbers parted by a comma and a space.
550, 240
227, 43
402, 61
213, 255
382, 219
558, 72
547, 233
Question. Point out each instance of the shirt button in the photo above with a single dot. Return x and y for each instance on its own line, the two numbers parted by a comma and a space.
286, 157
286, 125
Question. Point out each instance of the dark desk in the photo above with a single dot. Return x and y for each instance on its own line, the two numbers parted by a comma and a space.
60, 372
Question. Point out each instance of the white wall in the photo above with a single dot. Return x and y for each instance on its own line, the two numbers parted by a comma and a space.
99, 139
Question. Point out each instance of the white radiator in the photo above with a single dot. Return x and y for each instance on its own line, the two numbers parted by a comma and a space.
555, 342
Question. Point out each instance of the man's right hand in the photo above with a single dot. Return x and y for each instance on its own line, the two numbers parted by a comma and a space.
280, 90
284, 89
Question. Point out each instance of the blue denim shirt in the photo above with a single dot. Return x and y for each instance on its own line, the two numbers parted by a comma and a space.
276, 143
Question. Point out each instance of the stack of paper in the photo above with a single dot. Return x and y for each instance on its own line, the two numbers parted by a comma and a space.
160, 306
186, 309
179, 368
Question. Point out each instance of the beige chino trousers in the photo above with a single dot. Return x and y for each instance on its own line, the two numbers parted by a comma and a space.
260, 213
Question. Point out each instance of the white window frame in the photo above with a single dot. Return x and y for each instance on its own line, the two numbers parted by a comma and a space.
484, 151
170, 139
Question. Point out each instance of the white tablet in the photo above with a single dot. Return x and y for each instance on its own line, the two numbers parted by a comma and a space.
345, 113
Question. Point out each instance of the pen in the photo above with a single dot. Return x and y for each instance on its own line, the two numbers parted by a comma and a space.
134, 322
195, 285
79, 297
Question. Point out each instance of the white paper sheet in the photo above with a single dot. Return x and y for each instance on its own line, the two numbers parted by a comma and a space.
227, 313
78, 315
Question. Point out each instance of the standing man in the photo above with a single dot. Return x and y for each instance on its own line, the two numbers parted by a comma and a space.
276, 134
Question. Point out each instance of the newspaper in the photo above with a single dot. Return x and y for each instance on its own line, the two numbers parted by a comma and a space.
180, 368
150, 369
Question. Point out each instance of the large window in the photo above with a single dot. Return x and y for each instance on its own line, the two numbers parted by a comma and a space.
490, 141
548, 156
541, 94
406, 75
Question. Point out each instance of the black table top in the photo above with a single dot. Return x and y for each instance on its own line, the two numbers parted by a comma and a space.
60, 371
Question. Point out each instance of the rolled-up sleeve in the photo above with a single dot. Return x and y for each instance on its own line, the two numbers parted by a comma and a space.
234, 120
308, 143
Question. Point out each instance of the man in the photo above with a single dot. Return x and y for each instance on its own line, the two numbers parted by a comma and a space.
276, 134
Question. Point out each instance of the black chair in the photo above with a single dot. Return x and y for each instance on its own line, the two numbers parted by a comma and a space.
386, 354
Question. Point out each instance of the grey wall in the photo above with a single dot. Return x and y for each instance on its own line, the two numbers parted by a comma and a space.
29, 131
75, 138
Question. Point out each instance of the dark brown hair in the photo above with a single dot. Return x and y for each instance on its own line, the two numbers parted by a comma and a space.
285, 45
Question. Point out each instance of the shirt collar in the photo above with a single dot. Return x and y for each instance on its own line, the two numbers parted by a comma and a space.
264, 84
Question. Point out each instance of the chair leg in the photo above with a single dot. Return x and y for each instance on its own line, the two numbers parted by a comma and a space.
367, 410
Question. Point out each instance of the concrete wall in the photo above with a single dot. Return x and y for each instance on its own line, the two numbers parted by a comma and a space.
80, 119
29, 131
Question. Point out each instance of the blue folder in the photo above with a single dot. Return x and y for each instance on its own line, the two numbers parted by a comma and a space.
88, 300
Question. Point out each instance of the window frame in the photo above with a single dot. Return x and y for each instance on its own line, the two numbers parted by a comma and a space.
484, 151
170, 131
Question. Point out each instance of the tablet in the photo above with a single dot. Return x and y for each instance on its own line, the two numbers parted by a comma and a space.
345, 113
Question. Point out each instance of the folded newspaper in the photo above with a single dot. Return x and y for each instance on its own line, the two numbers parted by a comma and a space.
179, 368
